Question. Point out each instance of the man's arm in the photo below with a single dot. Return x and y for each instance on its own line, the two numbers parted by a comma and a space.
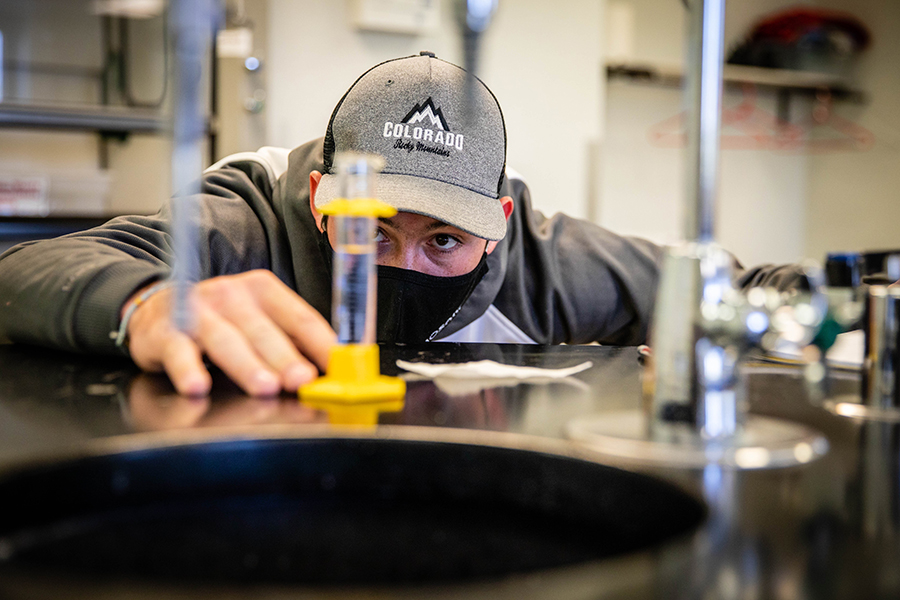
570, 281
567, 280
66, 293
69, 292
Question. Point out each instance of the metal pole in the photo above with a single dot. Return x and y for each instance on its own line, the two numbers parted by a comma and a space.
192, 26
475, 16
880, 390
704, 95
693, 376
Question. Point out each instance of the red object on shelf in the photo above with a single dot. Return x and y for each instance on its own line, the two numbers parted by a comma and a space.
792, 25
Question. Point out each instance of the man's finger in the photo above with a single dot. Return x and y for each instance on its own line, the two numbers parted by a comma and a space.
269, 341
183, 362
306, 327
227, 347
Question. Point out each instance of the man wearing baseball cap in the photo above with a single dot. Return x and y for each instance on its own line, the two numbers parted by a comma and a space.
465, 259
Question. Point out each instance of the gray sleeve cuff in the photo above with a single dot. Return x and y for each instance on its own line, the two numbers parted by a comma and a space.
97, 314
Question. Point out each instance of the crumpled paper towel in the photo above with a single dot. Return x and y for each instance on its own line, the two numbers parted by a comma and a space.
468, 378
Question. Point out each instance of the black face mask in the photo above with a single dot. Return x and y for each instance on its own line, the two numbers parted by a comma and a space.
414, 307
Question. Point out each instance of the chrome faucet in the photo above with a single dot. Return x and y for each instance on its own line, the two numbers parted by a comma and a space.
702, 325
880, 389
695, 413
192, 23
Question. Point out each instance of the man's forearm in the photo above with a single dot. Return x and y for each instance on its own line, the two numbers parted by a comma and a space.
66, 293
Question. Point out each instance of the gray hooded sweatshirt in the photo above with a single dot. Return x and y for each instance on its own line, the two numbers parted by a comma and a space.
550, 281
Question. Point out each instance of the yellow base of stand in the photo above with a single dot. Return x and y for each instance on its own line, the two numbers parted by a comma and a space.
353, 377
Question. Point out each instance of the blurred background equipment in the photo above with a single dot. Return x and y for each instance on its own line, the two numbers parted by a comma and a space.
86, 101
804, 39
594, 77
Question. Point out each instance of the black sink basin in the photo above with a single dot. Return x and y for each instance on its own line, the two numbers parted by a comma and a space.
330, 510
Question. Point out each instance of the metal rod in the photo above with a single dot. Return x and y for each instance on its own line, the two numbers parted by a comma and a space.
213, 129
882, 361
192, 25
694, 377
704, 96
475, 16
82, 118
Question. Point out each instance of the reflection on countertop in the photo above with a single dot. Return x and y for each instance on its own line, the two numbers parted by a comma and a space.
829, 529
87, 398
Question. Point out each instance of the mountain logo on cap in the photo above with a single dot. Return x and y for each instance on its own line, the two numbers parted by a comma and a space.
427, 110
424, 129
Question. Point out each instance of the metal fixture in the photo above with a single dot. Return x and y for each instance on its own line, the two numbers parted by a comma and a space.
880, 392
860, 285
703, 87
695, 411
192, 23
112, 119
474, 18
882, 360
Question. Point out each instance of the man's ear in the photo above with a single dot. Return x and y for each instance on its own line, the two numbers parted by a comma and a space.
314, 178
507, 203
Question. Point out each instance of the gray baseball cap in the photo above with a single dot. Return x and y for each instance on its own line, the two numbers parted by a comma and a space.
440, 160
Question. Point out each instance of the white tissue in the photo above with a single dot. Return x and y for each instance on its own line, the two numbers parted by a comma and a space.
489, 368
471, 377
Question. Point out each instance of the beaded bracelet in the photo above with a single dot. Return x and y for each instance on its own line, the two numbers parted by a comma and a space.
121, 335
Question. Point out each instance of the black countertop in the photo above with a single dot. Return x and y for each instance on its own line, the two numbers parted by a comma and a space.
828, 529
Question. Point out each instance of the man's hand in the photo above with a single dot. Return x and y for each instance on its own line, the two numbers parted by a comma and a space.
154, 406
257, 330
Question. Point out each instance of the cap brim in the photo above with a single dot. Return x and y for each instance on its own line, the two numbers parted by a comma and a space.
469, 211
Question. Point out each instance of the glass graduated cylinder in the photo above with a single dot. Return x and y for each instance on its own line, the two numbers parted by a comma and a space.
354, 287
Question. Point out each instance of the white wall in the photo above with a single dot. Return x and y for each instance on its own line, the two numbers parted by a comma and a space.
760, 215
854, 201
773, 206
541, 59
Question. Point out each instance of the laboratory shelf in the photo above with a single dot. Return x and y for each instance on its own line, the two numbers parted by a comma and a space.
109, 119
786, 80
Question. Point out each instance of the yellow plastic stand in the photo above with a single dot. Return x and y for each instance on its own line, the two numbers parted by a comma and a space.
357, 415
354, 377
353, 391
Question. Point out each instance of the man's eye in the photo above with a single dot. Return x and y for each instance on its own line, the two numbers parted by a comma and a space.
445, 242
379, 236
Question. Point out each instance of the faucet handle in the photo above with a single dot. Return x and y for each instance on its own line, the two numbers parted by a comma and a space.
796, 317
764, 316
